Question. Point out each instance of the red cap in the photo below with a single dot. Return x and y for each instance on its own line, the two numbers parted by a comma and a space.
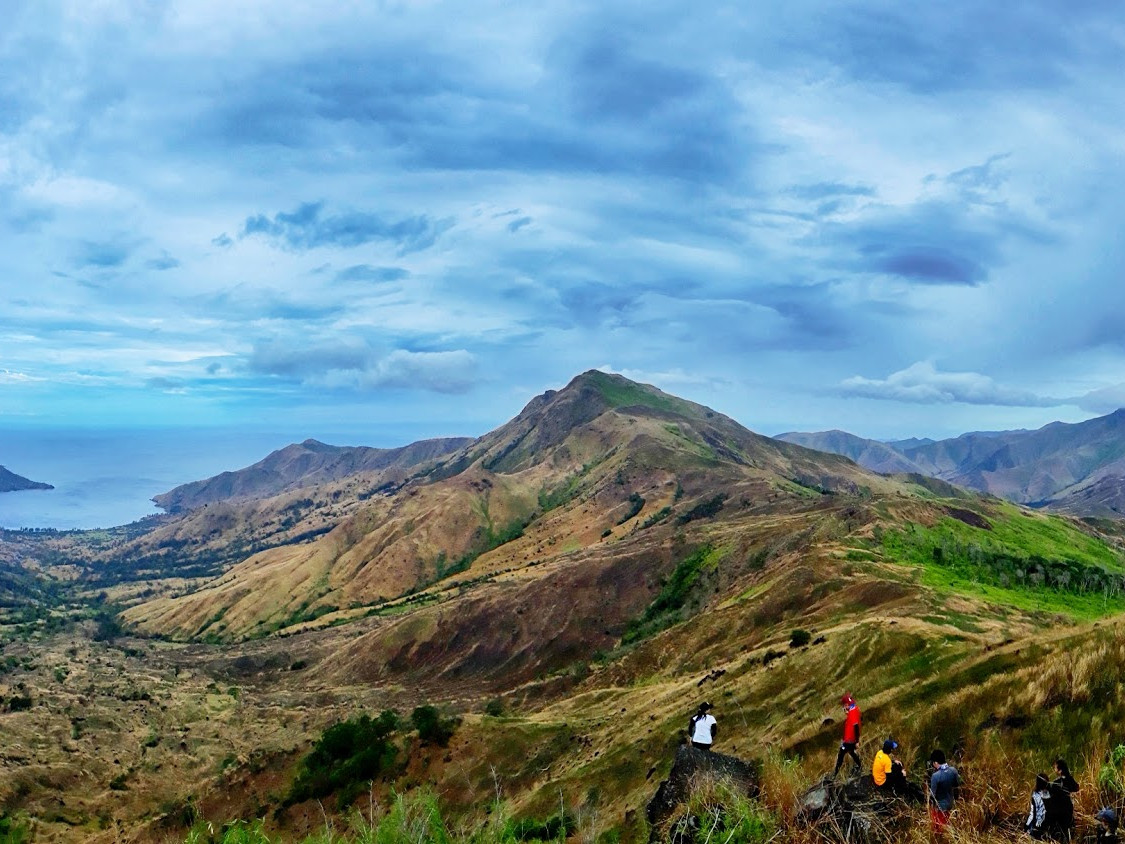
847, 699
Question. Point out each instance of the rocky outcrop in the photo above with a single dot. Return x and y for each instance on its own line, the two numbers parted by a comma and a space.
690, 764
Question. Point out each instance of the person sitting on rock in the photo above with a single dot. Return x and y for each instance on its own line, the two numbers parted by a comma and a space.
1107, 826
1036, 823
852, 725
702, 728
889, 774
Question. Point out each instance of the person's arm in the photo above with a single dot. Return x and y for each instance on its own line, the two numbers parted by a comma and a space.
857, 726
714, 729
1029, 824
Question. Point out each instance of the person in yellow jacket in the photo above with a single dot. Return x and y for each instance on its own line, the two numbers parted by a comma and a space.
889, 774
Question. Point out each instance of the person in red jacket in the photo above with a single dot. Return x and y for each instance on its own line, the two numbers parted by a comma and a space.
851, 733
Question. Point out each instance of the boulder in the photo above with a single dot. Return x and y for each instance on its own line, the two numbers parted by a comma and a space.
691, 763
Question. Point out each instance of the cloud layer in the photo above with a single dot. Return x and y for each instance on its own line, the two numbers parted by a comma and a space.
359, 211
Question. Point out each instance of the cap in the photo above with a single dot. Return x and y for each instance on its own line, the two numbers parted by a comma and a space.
889, 745
846, 699
1108, 815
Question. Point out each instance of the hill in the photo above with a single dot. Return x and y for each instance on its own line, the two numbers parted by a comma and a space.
301, 465
11, 482
1075, 468
871, 454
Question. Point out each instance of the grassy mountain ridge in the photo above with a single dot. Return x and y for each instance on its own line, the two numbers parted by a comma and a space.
1075, 468
302, 465
564, 475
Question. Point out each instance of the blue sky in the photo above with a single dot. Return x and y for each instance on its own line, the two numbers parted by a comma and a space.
410, 217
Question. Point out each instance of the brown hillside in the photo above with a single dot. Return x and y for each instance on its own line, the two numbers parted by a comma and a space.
583, 467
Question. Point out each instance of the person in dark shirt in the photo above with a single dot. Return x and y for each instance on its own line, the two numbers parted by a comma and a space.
1060, 815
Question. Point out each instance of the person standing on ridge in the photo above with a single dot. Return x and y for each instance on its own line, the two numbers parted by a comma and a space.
1060, 818
943, 789
851, 733
703, 727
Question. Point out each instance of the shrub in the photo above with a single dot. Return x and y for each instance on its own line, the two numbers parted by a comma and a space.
799, 638
345, 758
494, 707
431, 726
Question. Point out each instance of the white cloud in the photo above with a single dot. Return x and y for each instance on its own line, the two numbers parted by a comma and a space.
923, 383
1104, 400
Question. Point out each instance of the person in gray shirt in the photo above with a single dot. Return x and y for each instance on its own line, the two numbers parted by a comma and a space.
944, 782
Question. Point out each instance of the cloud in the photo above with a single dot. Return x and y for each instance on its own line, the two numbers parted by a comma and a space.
824, 190
1104, 400
927, 265
298, 361
516, 225
366, 272
353, 366
7, 376
164, 262
223, 241
102, 254
922, 383
306, 228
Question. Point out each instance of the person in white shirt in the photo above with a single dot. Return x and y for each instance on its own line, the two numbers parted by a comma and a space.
702, 727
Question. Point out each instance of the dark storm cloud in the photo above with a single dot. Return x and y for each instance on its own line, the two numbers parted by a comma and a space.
308, 228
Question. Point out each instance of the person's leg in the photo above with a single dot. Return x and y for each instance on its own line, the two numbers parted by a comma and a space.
855, 756
840, 758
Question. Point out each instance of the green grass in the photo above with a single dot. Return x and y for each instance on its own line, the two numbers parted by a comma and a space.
1029, 562
668, 607
622, 393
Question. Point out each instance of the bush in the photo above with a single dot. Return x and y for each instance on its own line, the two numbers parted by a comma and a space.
799, 638
494, 707
345, 758
431, 726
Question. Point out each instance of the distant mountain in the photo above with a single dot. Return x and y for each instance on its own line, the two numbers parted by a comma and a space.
301, 465
11, 482
604, 466
1078, 468
871, 454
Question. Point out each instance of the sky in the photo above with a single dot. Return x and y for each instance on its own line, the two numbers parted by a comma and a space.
406, 219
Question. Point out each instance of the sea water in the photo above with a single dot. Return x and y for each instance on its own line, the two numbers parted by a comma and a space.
104, 478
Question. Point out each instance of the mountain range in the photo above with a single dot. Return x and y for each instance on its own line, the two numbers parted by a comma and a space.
1073, 468
570, 586
11, 482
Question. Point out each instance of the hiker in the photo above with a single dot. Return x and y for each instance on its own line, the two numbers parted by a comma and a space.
889, 774
944, 781
851, 733
1107, 826
1060, 815
1036, 823
702, 727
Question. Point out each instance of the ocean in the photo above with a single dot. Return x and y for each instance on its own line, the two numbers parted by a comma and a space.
104, 478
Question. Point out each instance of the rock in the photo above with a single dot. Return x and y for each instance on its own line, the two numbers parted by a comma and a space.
689, 763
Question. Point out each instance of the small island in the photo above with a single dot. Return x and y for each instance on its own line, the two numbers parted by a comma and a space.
11, 482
